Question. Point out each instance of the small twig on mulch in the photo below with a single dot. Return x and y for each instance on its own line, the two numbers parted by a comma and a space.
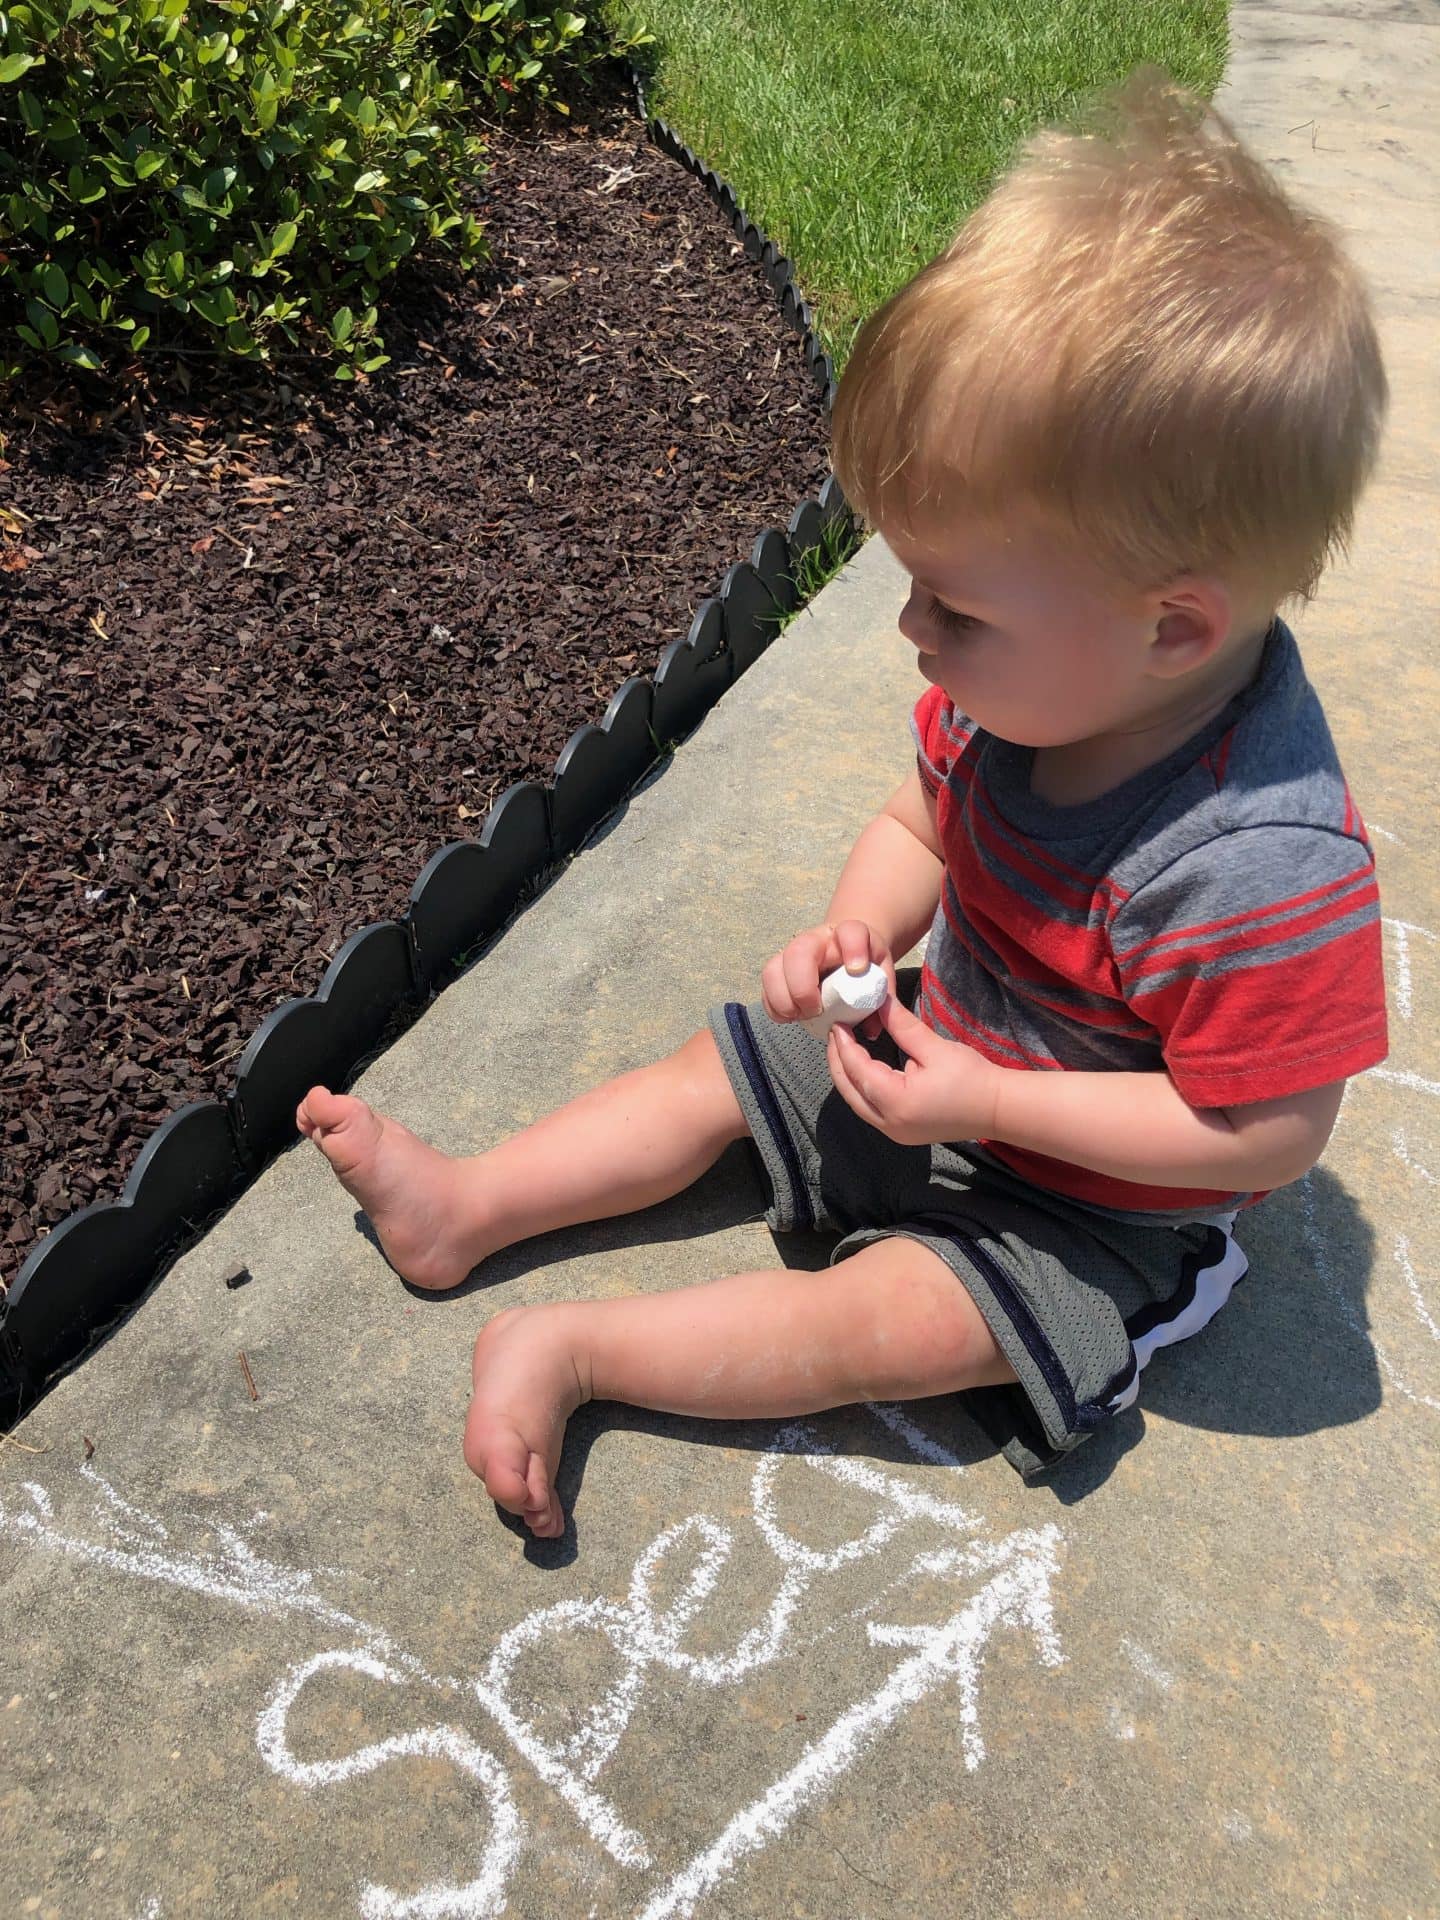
249, 1377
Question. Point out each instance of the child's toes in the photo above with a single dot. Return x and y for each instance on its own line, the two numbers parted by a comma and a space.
543, 1513
346, 1131
501, 1458
516, 1478
325, 1109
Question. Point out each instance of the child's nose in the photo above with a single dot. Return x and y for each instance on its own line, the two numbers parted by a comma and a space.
913, 626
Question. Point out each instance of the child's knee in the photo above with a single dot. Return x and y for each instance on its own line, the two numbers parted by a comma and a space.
705, 1070
701, 1050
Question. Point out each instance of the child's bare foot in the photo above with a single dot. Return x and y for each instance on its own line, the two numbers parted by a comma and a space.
412, 1192
526, 1388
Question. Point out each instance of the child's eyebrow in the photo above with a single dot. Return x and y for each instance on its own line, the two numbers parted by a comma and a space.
924, 587
935, 593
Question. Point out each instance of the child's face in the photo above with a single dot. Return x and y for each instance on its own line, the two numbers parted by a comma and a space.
1029, 641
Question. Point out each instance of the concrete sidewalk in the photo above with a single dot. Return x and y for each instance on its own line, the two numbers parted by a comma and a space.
279, 1655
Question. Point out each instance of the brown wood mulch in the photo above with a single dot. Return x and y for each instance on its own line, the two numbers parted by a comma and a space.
264, 650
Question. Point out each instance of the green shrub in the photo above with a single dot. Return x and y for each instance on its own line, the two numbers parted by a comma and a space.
518, 49
221, 171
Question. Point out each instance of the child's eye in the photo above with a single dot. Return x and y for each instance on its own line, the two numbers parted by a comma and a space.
955, 622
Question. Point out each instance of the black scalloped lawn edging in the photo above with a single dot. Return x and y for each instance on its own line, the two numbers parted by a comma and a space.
96, 1264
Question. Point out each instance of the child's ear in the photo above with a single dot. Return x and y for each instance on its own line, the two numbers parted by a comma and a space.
1193, 620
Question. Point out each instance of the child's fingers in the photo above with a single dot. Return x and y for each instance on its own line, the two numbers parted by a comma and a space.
774, 996
801, 980
790, 983
847, 1063
802, 964
852, 938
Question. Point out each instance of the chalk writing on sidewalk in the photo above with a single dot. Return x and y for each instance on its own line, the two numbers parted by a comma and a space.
1414, 1324
929, 1540
920, 1536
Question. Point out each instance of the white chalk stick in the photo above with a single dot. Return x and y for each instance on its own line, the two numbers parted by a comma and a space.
848, 998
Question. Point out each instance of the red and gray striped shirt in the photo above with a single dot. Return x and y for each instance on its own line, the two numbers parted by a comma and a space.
1216, 916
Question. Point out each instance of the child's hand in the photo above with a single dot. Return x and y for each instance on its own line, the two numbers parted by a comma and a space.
947, 1091
790, 983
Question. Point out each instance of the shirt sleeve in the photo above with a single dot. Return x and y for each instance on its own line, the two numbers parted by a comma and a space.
940, 735
1257, 959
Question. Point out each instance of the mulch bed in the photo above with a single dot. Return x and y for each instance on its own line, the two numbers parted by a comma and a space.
266, 648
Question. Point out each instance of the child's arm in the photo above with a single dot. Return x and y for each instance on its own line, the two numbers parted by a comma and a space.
1131, 1126
1136, 1126
893, 876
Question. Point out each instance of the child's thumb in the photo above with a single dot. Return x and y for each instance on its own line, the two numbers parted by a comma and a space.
901, 1024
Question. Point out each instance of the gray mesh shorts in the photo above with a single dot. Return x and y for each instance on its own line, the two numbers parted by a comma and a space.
1077, 1302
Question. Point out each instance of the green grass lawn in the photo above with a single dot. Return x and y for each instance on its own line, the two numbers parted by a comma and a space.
858, 133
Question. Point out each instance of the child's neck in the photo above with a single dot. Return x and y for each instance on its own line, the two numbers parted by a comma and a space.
1084, 770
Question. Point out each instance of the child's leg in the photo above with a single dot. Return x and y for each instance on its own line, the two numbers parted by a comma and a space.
890, 1322
626, 1144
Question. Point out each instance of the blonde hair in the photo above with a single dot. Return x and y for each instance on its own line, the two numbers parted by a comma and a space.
1138, 331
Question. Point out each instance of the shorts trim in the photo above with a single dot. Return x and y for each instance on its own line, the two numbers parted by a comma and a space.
742, 1036
1008, 1298
1025, 1324
1208, 1278
1120, 1392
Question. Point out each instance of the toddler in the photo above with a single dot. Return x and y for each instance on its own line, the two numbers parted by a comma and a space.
1108, 432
